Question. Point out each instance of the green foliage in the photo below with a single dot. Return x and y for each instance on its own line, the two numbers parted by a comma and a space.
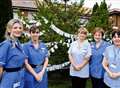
60, 55
24, 39
68, 21
66, 17
100, 17
5, 16
95, 8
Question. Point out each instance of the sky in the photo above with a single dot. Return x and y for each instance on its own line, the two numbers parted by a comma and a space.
114, 4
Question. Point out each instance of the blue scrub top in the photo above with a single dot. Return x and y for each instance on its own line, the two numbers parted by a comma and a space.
112, 54
96, 68
11, 54
36, 56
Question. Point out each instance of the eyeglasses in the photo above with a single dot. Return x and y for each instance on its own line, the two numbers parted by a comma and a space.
37, 32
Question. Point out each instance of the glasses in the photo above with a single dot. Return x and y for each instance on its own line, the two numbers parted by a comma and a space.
37, 32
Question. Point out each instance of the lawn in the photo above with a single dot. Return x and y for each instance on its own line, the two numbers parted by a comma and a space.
60, 79
64, 84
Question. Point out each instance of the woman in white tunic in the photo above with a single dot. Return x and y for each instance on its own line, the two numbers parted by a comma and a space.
111, 62
79, 54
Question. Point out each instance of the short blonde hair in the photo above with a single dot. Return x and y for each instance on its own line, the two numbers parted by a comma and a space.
10, 25
82, 29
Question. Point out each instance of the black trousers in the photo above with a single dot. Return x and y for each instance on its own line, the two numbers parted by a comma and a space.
98, 83
78, 82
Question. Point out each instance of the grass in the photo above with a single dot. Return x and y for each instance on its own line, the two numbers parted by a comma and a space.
62, 80
59, 84
64, 84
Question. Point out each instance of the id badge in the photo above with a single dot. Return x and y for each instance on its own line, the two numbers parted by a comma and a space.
113, 65
16, 85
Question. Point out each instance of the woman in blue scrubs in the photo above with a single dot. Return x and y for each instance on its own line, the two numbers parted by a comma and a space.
96, 68
12, 57
36, 50
111, 62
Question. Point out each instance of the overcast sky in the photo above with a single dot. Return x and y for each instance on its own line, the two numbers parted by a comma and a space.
90, 3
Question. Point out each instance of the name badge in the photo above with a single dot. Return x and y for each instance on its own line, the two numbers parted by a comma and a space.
43, 49
16, 85
113, 65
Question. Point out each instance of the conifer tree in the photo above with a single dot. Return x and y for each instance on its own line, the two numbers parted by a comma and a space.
66, 19
99, 17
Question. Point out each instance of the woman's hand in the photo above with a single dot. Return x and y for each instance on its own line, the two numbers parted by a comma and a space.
114, 75
77, 67
1, 72
110, 74
39, 76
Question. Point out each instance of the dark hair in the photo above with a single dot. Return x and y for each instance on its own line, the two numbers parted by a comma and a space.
116, 32
33, 28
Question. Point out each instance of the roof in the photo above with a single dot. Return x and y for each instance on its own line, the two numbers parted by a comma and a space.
25, 4
115, 11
